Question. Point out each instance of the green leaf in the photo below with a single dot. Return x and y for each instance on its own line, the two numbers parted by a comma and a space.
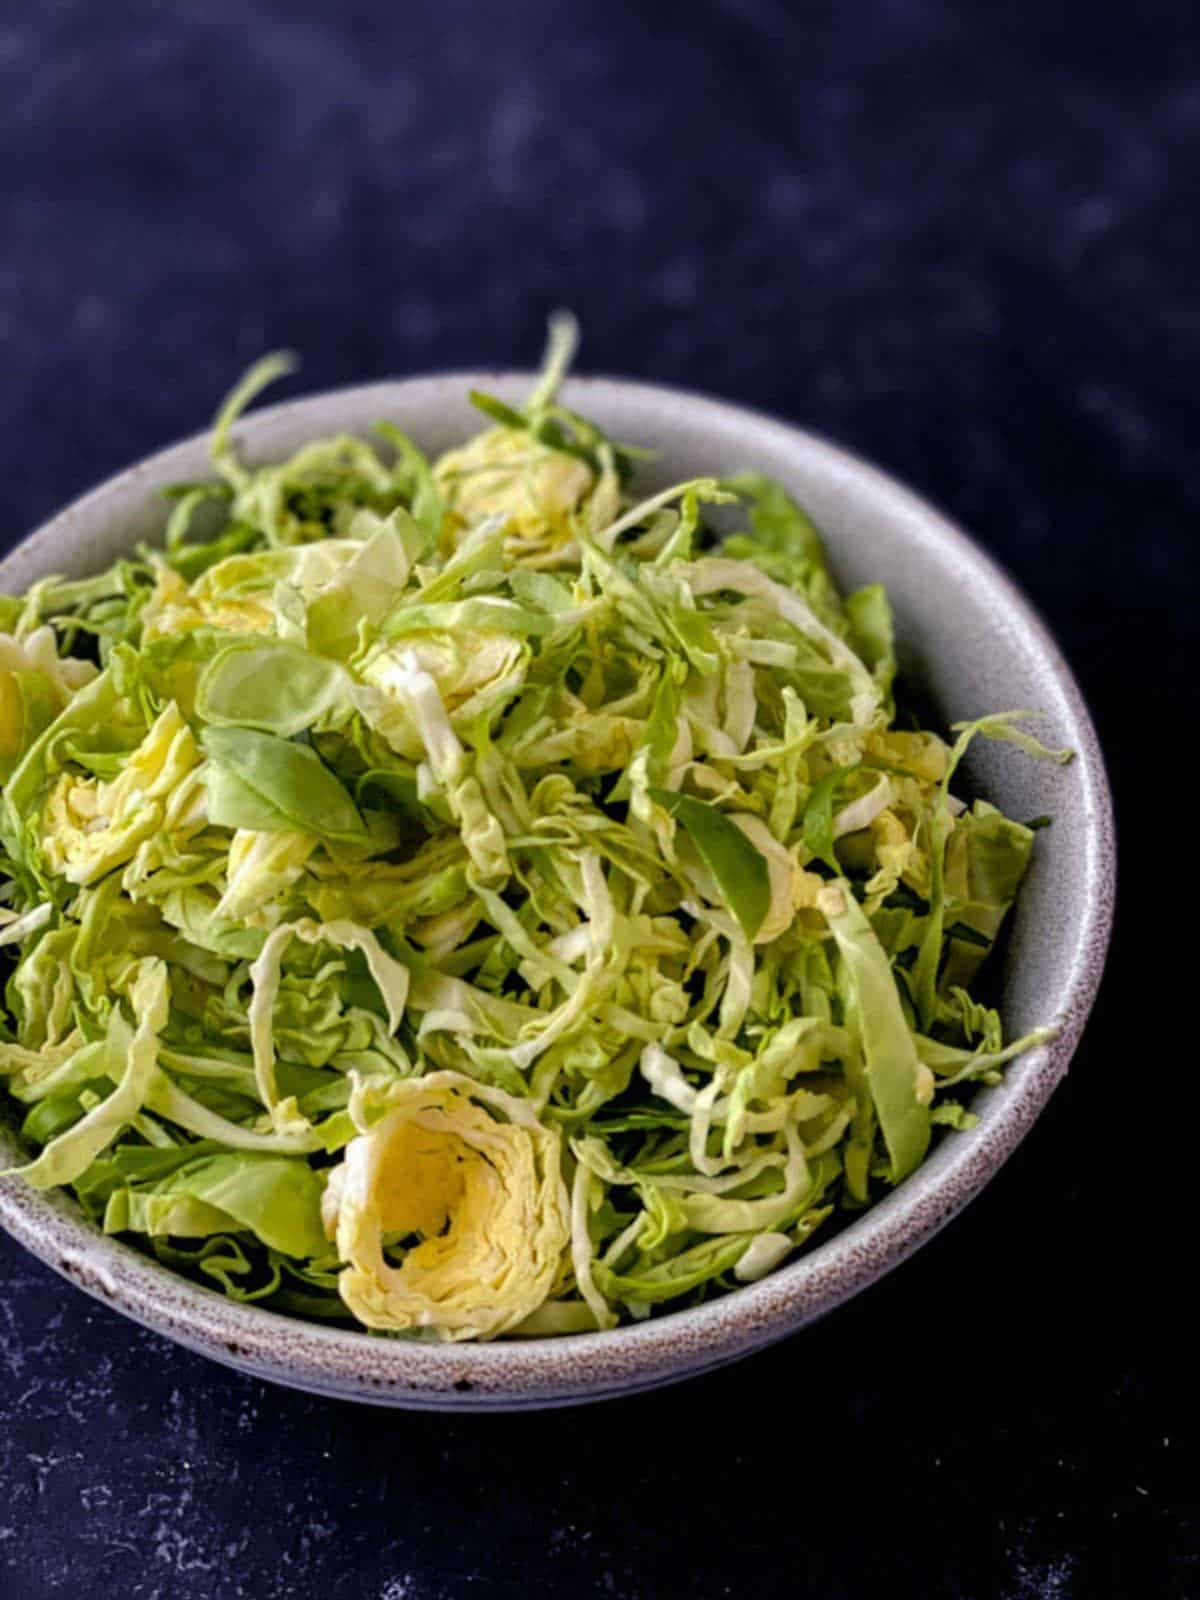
270, 686
58, 1112
894, 1072
1001, 848
653, 1283
872, 634
28, 705
259, 781
817, 825
191, 560
738, 868
277, 1198
822, 805
418, 485
466, 616
496, 409
392, 787
784, 543
365, 587
261, 375
986, 859
1005, 727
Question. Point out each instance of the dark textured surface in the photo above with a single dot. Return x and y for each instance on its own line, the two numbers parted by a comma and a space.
960, 238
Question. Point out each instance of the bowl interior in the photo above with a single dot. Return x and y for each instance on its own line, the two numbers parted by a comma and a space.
968, 643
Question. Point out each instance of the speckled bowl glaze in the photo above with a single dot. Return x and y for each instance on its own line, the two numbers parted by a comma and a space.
968, 641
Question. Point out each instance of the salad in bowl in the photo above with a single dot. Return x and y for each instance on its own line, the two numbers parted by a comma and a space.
462, 898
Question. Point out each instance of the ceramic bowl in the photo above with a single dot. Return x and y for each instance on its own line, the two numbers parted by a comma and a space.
968, 642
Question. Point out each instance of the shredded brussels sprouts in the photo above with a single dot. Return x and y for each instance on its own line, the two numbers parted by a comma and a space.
465, 899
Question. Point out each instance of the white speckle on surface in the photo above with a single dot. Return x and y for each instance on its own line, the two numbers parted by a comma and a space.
1046, 1580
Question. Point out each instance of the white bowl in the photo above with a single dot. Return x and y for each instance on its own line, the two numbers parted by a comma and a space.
968, 641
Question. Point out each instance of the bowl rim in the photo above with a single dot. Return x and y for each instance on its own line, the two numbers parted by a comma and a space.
533, 1373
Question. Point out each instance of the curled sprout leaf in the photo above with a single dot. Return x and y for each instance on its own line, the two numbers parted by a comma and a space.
470, 1180
260, 781
737, 867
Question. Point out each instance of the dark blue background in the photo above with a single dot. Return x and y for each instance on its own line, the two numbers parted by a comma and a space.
961, 237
